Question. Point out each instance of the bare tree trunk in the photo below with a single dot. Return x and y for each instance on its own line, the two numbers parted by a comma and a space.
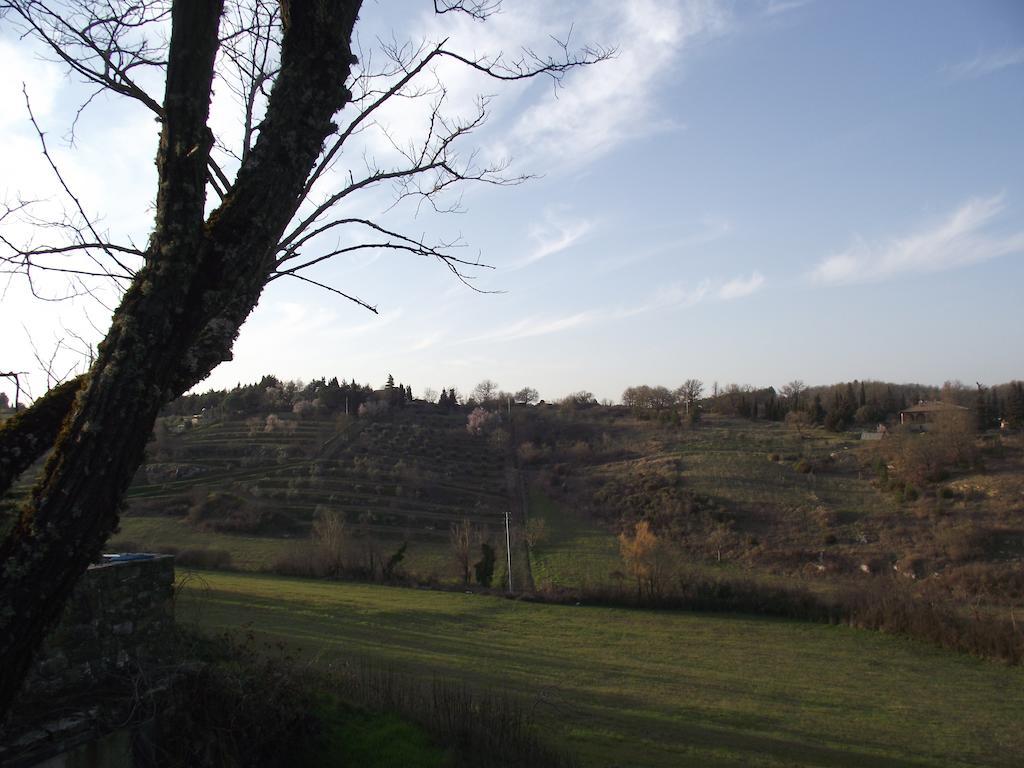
182, 312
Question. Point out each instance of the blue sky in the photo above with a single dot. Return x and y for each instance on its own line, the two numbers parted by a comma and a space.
749, 192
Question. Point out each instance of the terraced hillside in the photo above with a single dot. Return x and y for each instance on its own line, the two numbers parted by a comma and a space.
253, 486
762, 498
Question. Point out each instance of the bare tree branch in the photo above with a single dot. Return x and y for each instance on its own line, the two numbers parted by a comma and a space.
87, 222
326, 287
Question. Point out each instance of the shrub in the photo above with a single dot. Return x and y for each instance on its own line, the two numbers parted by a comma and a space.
963, 541
235, 709
484, 568
803, 466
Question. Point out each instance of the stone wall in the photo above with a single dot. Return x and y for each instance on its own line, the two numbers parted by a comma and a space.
116, 622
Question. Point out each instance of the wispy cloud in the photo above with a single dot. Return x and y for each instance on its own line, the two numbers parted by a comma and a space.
554, 236
673, 295
987, 63
425, 342
778, 7
739, 287
712, 228
680, 295
603, 106
956, 241
534, 326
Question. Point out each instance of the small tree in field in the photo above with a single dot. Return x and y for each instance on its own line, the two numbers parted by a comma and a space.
536, 532
648, 559
479, 420
799, 420
484, 568
463, 537
331, 541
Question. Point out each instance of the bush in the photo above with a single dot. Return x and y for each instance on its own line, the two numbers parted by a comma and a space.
803, 466
963, 541
1003, 582
235, 709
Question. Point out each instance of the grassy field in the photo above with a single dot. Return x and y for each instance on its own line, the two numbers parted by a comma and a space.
624, 687
575, 551
259, 553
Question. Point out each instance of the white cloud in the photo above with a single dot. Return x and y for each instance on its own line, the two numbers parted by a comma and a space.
739, 287
554, 236
987, 63
673, 295
956, 241
41, 79
605, 105
531, 327
425, 342
712, 229
779, 7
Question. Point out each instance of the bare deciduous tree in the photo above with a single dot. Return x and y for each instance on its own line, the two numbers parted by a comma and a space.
792, 392
278, 198
689, 393
463, 538
485, 391
527, 396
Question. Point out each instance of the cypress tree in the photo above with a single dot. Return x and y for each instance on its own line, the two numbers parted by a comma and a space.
981, 412
817, 411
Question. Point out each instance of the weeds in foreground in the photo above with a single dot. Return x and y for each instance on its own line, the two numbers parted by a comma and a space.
251, 704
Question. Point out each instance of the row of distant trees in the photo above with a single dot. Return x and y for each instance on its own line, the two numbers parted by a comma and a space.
836, 407
271, 394
326, 396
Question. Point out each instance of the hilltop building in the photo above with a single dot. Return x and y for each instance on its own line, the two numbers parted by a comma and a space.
924, 414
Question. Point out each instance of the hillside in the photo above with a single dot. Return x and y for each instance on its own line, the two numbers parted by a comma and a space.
765, 499
730, 496
254, 487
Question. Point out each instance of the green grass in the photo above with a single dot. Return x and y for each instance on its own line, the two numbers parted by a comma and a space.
259, 553
252, 553
350, 736
576, 551
640, 688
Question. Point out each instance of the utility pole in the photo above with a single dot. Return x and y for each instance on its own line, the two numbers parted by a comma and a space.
508, 549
